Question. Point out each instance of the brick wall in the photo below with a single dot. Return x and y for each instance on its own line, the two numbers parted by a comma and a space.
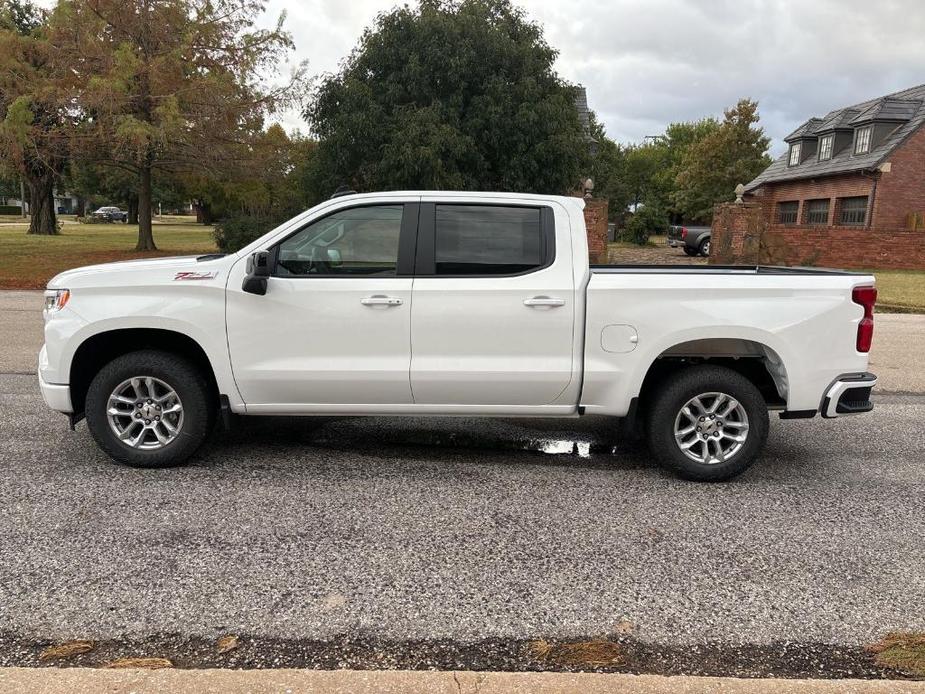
742, 235
830, 188
596, 223
901, 190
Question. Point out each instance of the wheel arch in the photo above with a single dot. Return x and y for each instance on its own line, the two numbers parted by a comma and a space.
101, 348
753, 359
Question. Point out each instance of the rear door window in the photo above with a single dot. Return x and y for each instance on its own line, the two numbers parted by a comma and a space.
488, 240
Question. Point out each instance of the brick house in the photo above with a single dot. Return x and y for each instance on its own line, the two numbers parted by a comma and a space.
850, 190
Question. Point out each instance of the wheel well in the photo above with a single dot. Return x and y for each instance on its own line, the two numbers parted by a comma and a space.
100, 349
757, 362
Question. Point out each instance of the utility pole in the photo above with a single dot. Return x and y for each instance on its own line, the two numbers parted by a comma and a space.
22, 197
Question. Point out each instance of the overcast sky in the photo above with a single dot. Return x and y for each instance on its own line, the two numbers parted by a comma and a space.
646, 63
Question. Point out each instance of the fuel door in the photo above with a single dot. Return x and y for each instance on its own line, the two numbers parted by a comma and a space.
619, 338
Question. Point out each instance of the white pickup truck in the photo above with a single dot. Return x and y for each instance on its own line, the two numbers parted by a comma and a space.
471, 304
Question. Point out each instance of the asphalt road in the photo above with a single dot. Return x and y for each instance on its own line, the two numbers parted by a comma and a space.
406, 530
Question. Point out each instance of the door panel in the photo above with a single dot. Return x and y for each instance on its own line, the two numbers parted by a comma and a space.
493, 332
334, 325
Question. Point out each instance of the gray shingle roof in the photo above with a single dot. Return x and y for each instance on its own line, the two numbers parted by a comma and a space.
906, 107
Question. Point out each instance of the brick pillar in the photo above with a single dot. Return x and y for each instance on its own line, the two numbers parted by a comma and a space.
596, 223
738, 234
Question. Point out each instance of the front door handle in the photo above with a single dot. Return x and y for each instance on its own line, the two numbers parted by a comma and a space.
544, 301
381, 300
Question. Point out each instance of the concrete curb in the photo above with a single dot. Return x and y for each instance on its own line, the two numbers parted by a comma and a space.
67, 680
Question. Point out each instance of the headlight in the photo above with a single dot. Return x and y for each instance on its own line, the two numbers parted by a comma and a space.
56, 299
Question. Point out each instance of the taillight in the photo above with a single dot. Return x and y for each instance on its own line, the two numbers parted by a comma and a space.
866, 297
683, 232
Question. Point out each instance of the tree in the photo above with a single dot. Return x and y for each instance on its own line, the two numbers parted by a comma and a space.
34, 120
168, 85
710, 169
452, 95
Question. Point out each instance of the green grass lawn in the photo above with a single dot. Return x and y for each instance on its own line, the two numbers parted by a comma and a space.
28, 262
900, 290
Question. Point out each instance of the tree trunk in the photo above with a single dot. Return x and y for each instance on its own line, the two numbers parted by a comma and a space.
81, 206
42, 205
145, 235
132, 209
203, 212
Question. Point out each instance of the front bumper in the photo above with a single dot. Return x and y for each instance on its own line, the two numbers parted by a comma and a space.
56, 396
848, 394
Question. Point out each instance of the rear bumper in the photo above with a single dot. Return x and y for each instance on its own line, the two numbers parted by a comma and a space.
56, 396
848, 394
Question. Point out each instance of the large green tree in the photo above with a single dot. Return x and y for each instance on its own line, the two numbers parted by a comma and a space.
168, 85
450, 94
35, 121
733, 153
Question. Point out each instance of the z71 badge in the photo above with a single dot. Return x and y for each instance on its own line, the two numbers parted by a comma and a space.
195, 276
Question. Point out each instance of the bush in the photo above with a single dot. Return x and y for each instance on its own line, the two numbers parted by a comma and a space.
10, 209
234, 233
647, 221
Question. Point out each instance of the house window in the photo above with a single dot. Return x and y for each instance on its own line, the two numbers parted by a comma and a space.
787, 212
795, 153
862, 140
825, 147
852, 211
817, 211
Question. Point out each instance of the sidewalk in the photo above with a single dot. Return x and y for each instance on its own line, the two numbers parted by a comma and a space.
67, 680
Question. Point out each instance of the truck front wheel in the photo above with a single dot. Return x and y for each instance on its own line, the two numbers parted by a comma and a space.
149, 409
707, 423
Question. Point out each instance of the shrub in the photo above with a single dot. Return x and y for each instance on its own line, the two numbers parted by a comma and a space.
10, 209
647, 221
234, 233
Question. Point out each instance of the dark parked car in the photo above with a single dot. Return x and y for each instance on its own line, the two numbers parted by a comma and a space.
109, 214
694, 240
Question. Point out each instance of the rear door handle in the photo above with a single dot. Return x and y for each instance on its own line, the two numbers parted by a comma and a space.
544, 301
381, 300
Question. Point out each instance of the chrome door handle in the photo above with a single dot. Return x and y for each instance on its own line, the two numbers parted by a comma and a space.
381, 300
544, 301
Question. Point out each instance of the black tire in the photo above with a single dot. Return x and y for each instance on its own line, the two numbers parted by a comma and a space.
189, 384
704, 248
676, 391
690, 251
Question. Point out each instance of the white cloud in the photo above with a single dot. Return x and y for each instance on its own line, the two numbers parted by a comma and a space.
647, 63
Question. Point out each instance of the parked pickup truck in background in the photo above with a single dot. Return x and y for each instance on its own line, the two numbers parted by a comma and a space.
693, 240
469, 304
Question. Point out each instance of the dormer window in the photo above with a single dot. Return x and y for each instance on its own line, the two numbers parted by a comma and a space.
826, 143
795, 149
862, 140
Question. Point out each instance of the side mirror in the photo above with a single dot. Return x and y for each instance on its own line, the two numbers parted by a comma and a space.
258, 270
334, 259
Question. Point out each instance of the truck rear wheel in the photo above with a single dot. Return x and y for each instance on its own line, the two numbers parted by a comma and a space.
707, 423
149, 409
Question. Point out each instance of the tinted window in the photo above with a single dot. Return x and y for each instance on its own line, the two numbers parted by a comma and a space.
487, 240
358, 241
